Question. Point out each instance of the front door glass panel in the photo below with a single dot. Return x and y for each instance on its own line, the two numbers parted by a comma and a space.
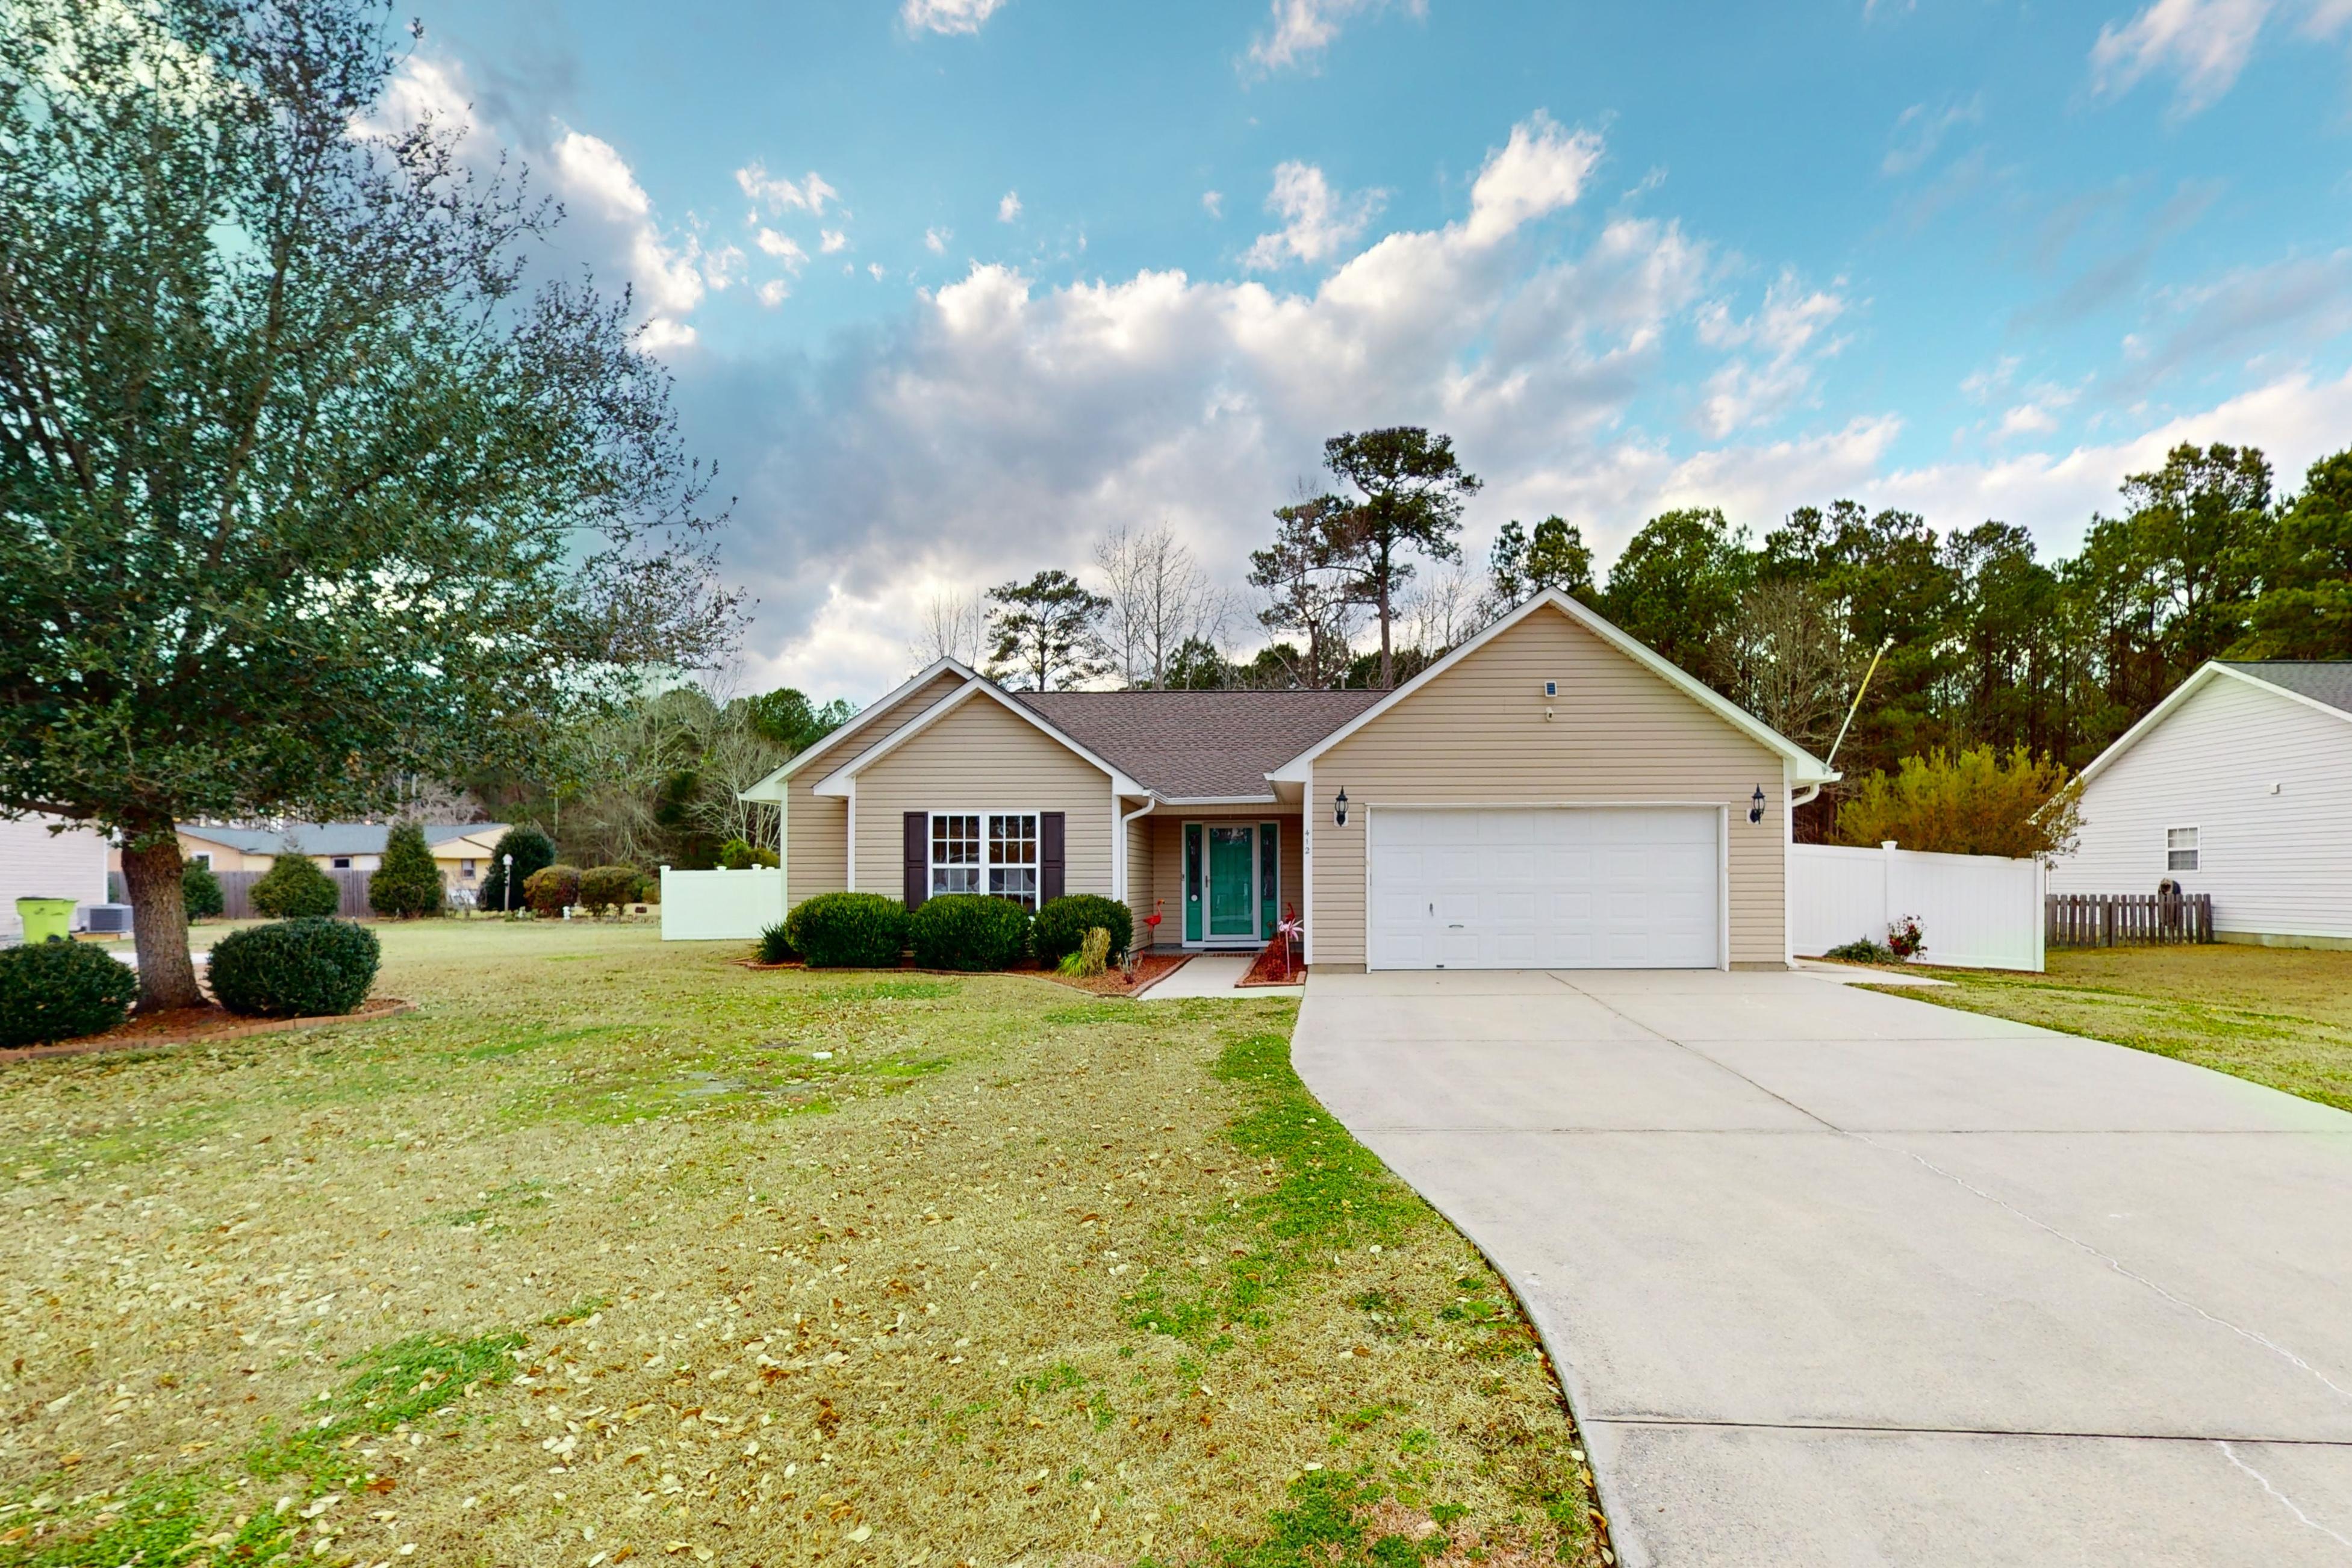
1233, 876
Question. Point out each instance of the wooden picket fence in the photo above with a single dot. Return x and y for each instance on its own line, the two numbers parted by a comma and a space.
237, 893
2126, 919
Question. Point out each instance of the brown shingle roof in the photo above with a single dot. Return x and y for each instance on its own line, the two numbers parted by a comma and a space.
1193, 745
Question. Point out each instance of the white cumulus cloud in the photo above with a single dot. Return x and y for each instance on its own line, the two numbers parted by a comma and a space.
1316, 221
784, 248
935, 240
1298, 31
1777, 347
1008, 208
2203, 43
595, 179
947, 15
779, 195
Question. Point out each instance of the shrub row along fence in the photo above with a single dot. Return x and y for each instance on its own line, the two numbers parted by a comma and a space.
2126, 919
236, 894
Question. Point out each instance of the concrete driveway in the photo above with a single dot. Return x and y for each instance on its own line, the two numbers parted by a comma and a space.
1839, 1278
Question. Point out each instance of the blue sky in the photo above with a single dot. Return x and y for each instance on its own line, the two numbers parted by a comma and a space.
952, 287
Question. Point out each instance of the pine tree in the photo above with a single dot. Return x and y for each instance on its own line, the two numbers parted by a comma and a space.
409, 884
294, 887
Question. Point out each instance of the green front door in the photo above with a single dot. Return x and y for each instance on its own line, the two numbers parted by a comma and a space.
1232, 882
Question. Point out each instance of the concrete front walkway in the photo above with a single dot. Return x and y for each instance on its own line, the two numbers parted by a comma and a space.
1839, 1278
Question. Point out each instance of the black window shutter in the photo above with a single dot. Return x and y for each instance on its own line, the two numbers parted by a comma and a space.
917, 854
1049, 856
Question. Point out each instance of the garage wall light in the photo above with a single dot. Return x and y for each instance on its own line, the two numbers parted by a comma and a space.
1756, 805
1340, 808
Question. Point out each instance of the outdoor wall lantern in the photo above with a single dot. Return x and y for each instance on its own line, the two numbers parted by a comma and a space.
1340, 808
1756, 805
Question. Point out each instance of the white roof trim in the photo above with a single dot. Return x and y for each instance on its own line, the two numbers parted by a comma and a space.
836, 783
772, 788
1799, 765
2199, 678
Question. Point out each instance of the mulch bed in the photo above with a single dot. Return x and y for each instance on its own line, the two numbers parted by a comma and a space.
1151, 968
194, 1025
1271, 968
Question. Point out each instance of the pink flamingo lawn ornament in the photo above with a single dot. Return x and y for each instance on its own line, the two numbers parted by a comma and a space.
1151, 934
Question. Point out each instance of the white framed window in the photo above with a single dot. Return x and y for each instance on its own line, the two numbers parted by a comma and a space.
206, 860
466, 869
955, 852
2181, 849
342, 862
1012, 856
990, 852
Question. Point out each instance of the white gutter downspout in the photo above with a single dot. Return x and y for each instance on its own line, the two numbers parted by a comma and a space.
1151, 804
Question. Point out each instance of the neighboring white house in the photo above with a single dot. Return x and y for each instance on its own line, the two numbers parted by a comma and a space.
36, 863
2239, 785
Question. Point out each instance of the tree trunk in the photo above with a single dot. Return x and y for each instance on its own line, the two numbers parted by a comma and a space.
1387, 663
159, 922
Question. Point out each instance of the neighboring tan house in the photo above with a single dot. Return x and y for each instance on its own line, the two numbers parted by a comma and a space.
1549, 795
36, 863
461, 850
2239, 785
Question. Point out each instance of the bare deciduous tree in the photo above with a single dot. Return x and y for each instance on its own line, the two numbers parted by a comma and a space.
1160, 600
1445, 609
1786, 658
954, 625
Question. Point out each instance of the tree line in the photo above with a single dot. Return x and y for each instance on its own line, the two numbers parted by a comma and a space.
1978, 641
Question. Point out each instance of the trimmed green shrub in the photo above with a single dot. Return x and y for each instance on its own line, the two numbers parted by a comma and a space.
775, 945
1062, 924
848, 931
967, 930
552, 889
603, 888
295, 888
60, 990
200, 892
532, 851
409, 882
735, 855
295, 969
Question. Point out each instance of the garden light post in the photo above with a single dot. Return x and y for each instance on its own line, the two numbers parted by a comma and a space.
505, 884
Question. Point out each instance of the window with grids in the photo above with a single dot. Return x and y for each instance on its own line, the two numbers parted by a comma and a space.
955, 853
2181, 849
1012, 856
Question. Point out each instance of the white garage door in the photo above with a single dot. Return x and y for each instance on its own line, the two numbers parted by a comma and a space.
1596, 888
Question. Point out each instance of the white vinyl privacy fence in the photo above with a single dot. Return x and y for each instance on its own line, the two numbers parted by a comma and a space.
720, 906
1975, 912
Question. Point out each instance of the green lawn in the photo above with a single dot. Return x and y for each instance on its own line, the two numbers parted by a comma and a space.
2281, 1016
616, 1250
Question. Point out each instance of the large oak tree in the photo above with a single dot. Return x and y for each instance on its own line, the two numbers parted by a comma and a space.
302, 487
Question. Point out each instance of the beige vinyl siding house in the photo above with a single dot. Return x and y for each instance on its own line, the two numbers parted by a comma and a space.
1478, 733
2239, 785
1549, 795
980, 757
816, 837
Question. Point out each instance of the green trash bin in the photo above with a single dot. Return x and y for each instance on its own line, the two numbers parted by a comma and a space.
46, 917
